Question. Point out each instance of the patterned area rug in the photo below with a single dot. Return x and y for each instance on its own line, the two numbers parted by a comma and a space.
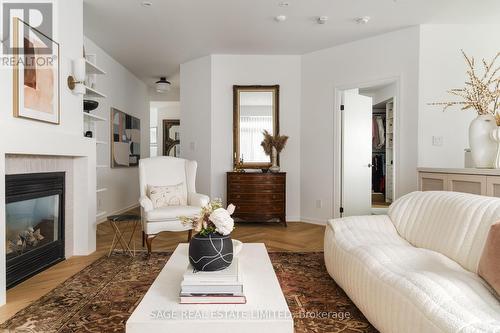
102, 296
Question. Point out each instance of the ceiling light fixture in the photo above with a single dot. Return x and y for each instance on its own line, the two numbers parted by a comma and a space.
362, 19
162, 86
280, 18
322, 19
146, 4
284, 4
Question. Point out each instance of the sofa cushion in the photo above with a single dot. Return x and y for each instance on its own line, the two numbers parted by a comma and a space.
401, 288
489, 265
170, 213
454, 224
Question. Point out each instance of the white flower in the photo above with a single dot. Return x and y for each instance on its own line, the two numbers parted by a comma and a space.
222, 220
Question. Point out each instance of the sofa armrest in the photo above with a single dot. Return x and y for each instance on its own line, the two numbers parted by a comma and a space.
146, 204
198, 200
374, 223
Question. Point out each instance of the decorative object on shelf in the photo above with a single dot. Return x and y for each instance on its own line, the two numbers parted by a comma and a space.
482, 94
89, 105
495, 135
89, 134
36, 77
171, 137
483, 147
76, 82
125, 139
211, 249
273, 145
162, 86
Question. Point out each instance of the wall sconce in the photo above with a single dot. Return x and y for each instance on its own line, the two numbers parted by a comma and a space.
76, 82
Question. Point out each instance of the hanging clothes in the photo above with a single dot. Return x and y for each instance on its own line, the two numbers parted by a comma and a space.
381, 131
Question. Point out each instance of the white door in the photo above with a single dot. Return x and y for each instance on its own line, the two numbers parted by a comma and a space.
356, 154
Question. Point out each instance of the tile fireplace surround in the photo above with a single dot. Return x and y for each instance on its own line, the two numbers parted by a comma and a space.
79, 231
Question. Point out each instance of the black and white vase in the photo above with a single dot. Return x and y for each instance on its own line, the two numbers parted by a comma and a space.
210, 253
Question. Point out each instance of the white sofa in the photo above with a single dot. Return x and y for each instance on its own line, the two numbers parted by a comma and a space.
415, 270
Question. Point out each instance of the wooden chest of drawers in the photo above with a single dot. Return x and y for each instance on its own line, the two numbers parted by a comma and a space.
258, 197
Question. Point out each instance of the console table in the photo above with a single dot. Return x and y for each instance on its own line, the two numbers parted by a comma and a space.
474, 181
258, 197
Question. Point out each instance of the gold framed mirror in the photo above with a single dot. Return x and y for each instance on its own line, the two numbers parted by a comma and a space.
255, 109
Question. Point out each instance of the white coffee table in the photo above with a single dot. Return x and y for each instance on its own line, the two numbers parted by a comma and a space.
265, 311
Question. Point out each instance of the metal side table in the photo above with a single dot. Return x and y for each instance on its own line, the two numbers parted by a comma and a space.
118, 237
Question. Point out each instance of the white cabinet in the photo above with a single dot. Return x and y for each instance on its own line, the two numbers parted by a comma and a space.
474, 181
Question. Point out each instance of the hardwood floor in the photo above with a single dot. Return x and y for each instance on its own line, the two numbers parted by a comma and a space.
296, 237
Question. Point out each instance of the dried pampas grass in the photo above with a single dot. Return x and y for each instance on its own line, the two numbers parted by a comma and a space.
277, 142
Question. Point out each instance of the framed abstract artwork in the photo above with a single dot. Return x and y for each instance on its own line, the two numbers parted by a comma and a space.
36, 74
125, 139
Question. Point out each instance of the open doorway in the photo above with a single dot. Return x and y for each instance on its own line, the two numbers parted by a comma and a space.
367, 149
164, 129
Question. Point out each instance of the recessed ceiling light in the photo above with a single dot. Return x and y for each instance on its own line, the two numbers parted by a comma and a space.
146, 4
322, 19
362, 19
284, 4
280, 18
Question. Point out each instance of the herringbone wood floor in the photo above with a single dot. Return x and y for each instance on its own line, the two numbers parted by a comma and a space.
296, 237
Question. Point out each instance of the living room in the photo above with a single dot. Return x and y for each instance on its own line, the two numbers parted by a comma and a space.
306, 141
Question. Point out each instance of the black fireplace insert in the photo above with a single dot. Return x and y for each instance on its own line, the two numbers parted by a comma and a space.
34, 227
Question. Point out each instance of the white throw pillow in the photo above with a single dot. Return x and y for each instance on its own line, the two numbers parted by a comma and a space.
163, 196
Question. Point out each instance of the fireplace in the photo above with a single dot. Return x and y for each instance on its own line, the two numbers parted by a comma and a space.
34, 223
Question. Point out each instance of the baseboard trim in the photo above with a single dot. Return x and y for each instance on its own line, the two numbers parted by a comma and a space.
312, 220
117, 212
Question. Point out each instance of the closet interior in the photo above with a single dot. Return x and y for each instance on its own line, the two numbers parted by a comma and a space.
382, 153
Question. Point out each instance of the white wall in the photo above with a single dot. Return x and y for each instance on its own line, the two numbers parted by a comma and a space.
28, 137
356, 64
127, 93
196, 119
442, 67
229, 70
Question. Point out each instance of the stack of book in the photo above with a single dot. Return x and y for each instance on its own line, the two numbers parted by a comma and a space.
219, 287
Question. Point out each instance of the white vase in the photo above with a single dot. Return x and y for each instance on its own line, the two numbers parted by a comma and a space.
274, 160
495, 135
483, 147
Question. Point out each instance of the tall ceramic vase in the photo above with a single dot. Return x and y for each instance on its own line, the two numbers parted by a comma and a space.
483, 147
495, 135
274, 160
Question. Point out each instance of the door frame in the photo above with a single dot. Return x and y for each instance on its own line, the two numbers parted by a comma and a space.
337, 136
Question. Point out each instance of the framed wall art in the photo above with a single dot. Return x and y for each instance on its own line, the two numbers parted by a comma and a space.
125, 139
36, 74
171, 137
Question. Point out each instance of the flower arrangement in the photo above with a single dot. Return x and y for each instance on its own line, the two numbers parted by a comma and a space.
277, 142
482, 88
212, 219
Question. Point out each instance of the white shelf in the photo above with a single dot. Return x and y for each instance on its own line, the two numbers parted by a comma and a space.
90, 92
91, 68
101, 142
93, 116
100, 190
99, 166
100, 214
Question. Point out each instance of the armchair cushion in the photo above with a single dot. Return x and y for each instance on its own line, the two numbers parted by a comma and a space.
198, 200
171, 195
171, 213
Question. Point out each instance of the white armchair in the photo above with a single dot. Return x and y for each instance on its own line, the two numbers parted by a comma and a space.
165, 171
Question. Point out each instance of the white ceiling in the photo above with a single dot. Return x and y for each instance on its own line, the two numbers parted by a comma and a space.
154, 41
